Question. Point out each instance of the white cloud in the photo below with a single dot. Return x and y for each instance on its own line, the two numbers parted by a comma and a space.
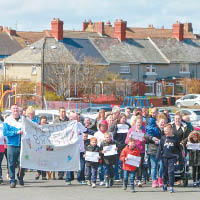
37, 14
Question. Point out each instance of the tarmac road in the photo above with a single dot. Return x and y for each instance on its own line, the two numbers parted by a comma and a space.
57, 190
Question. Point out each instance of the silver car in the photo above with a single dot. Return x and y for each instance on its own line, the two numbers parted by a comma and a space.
188, 100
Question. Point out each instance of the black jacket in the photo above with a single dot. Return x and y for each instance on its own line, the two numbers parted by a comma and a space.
108, 160
169, 147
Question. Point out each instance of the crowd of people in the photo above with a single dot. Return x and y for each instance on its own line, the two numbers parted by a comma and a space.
160, 145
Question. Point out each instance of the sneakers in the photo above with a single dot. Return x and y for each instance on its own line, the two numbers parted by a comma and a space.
155, 184
83, 182
12, 185
194, 184
101, 183
21, 182
93, 185
160, 182
164, 188
89, 183
68, 183
37, 177
111, 182
44, 178
171, 190
139, 184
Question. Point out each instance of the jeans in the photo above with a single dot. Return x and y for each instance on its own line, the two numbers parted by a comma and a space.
168, 170
13, 155
118, 167
195, 173
132, 177
154, 166
81, 172
140, 168
101, 173
1, 159
109, 170
44, 173
69, 176
91, 173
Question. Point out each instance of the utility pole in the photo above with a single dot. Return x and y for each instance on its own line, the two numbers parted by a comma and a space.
42, 73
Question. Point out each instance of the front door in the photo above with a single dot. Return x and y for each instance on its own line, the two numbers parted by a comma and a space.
158, 89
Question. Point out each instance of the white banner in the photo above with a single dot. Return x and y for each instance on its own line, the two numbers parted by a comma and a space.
137, 135
51, 147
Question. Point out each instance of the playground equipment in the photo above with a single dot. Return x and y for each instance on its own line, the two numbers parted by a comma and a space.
135, 101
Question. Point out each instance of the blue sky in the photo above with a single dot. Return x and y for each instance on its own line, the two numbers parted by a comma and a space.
36, 15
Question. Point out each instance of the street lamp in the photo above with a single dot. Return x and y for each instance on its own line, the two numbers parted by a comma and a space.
42, 72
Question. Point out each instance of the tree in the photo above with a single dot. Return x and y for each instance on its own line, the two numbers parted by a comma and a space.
192, 86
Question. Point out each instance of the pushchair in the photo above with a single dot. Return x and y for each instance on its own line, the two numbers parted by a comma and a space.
182, 169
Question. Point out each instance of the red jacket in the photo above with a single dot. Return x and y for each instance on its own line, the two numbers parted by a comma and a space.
124, 154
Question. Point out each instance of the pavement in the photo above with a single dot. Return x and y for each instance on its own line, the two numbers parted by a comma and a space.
57, 190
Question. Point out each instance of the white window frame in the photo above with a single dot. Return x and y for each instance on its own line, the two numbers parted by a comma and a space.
127, 69
34, 70
182, 66
151, 68
179, 82
150, 83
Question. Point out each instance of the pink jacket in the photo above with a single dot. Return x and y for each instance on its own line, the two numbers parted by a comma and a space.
140, 145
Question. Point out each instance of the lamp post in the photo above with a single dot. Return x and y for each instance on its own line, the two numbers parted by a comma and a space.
42, 72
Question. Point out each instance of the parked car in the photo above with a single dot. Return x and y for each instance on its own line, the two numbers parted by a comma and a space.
188, 100
194, 115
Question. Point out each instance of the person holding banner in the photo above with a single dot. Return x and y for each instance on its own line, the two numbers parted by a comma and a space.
12, 130
194, 156
130, 157
109, 156
137, 132
92, 161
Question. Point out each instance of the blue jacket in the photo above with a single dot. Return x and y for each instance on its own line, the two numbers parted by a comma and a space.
10, 128
152, 129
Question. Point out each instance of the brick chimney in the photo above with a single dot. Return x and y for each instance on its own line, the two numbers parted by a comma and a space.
188, 27
99, 27
85, 25
177, 31
57, 29
120, 30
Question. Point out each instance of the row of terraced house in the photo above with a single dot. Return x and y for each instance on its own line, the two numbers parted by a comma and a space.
150, 61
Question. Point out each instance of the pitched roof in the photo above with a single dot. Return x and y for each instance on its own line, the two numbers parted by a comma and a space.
187, 51
83, 50
130, 51
8, 44
139, 33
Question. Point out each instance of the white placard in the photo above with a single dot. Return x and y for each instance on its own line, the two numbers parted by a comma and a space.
92, 156
193, 146
122, 128
133, 160
110, 150
137, 135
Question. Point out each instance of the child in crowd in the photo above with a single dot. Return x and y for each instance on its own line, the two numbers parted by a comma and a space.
130, 149
108, 160
194, 157
103, 127
43, 121
86, 140
170, 151
92, 167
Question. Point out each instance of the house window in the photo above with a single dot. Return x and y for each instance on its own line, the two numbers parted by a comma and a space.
179, 87
169, 89
125, 69
184, 68
149, 88
151, 70
34, 70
